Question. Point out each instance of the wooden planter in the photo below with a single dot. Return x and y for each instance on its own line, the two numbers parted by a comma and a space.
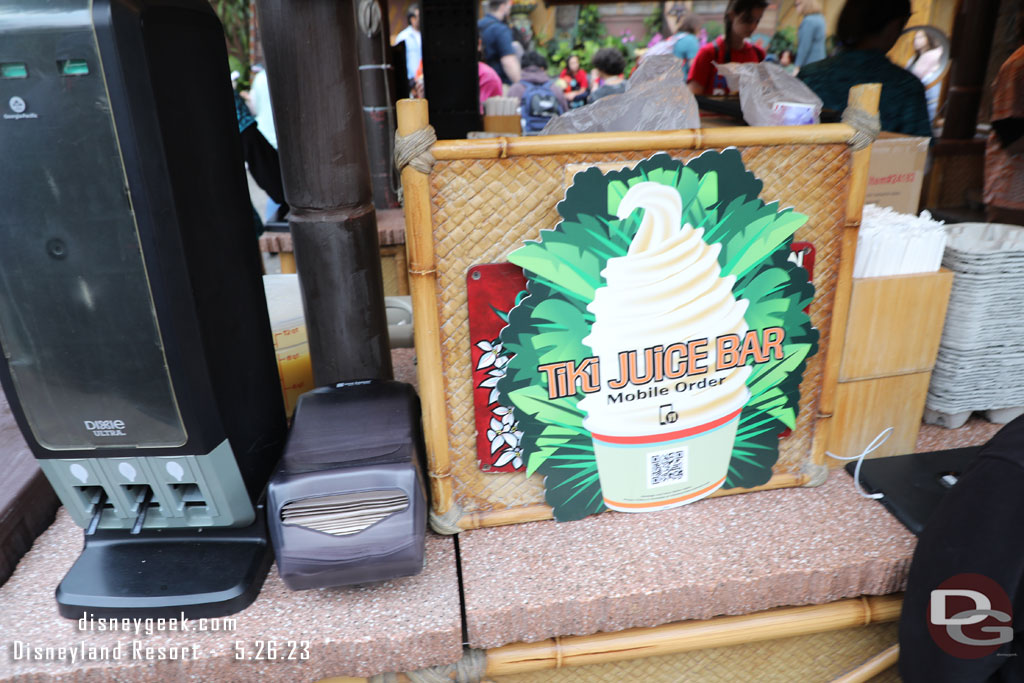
484, 197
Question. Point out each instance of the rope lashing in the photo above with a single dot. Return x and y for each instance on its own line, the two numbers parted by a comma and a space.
414, 150
867, 127
448, 523
470, 669
369, 17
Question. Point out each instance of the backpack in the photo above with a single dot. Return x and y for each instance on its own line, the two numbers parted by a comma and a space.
539, 106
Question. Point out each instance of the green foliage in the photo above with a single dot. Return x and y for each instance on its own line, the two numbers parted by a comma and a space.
589, 26
654, 23
714, 29
563, 271
234, 16
784, 39
589, 36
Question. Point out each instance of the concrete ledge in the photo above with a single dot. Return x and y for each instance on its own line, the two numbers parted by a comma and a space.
726, 556
399, 625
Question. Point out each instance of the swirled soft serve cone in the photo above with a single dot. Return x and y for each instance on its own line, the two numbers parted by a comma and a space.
664, 419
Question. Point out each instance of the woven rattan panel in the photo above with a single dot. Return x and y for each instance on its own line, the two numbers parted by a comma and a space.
483, 209
817, 657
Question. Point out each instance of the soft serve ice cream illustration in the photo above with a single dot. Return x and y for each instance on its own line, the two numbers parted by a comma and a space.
665, 417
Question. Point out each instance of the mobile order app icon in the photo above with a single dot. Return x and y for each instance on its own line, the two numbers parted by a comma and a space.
970, 616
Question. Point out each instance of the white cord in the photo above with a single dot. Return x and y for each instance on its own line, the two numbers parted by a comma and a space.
874, 445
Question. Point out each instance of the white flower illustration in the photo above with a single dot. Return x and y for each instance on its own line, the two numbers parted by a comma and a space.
513, 454
492, 352
503, 432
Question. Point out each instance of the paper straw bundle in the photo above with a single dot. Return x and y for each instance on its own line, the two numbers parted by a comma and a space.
501, 106
891, 243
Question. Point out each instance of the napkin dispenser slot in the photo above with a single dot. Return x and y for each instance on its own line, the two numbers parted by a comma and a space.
347, 503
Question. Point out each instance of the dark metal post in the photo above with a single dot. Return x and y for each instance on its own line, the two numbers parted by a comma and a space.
974, 26
310, 49
377, 83
450, 74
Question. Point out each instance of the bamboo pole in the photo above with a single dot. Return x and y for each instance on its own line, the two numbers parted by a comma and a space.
500, 148
871, 668
419, 242
864, 97
541, 512
555, 653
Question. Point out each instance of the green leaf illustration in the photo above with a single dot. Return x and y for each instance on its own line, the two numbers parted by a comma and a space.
563, 270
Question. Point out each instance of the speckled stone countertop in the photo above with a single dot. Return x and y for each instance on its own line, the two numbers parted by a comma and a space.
732, 555
398, 625
522, 583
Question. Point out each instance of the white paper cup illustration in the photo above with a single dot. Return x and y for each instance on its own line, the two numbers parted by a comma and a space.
664, 421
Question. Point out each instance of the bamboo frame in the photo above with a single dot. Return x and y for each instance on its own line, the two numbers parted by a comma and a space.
871, 668
684, 636
412, 116
863, 97
419, 245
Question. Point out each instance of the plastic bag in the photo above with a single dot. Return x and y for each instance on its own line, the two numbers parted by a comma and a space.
771, 97
656, 98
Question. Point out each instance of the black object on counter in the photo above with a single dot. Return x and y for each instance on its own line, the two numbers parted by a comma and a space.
347, 503
913, 485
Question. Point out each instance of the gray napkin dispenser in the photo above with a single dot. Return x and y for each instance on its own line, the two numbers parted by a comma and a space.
347, 503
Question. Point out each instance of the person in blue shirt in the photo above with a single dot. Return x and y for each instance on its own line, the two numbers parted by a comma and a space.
810, 37
687, 44
496, 36
866, 31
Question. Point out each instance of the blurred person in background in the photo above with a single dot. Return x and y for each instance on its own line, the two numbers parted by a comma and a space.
496, 36
786, 61
541, 98
609, 64
687, 44
810, 37
577, 87
925, 64
1004, 153
866, 31
741, 20
410, 35
489, 81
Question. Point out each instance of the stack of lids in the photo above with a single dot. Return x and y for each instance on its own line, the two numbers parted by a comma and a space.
980, 365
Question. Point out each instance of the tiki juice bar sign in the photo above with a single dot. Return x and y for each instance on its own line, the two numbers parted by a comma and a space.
656, 353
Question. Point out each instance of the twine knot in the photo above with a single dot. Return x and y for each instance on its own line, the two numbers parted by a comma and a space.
867, 127
414, 150
369, 17
470, 669
448, 523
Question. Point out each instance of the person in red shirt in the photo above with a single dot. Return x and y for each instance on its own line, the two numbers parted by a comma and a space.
741, 19
575, 79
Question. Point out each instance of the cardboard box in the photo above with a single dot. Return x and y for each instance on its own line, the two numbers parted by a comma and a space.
503, 124
897, 172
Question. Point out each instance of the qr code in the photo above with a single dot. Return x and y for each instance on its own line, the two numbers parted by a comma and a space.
667, 467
